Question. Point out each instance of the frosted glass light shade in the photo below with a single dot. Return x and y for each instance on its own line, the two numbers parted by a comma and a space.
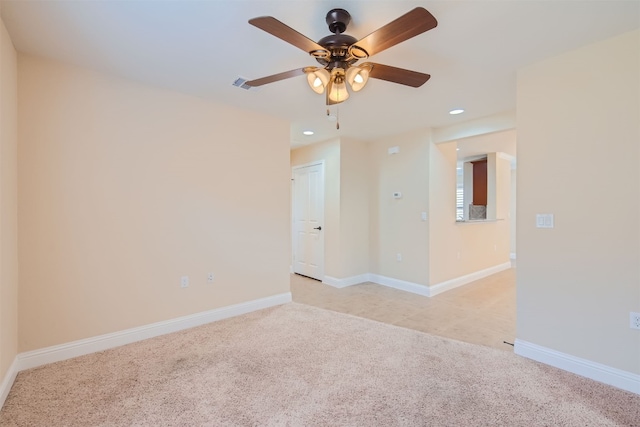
318, 80
358, 77
338, 92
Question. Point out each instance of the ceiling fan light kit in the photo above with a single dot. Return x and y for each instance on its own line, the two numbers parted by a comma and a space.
338, 53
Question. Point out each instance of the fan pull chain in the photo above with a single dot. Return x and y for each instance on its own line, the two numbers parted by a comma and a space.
337, 116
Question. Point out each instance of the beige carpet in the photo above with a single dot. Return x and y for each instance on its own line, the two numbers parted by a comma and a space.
297, 365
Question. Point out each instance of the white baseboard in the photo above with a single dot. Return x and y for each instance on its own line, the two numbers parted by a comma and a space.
415, 288
596, 371
402, 285
347, 281
378, 279
32, 359
7, 381
463, 280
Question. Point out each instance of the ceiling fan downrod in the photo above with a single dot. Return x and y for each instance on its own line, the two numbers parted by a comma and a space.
337, 20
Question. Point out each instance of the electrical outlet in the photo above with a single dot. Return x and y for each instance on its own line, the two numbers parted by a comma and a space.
210, 278
184, 281
634, 320
398, 257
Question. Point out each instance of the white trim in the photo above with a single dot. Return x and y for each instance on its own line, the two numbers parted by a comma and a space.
347, 281
7, 381
32, 359
307, 165
402, 285
415, 288
463, 280
596, 371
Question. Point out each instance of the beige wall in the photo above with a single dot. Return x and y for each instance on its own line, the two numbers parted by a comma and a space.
395, 224
125, 188
513, 212
8, 203
459, 249
578, 158
354, 207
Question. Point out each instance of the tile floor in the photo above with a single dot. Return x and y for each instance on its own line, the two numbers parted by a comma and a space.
482, 312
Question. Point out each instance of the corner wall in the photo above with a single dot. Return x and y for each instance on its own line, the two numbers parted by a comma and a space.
396, 226
125, 188
354, 207
579, 159
8, 206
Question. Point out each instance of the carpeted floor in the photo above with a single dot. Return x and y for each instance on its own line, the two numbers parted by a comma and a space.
297, 365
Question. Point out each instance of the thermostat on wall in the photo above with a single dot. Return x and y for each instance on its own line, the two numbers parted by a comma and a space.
397, 195
393, 150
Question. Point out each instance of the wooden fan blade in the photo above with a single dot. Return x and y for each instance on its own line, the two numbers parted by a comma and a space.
276, 28
397, 75
278, 77
408, 25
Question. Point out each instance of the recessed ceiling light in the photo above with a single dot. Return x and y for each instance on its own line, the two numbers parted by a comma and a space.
308, 132
456, 111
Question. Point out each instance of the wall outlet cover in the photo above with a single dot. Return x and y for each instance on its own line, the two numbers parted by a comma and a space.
634, 320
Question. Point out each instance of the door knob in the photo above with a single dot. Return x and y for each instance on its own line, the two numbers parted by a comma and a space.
318, 228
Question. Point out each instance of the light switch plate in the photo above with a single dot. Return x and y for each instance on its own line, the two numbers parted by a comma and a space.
544, 220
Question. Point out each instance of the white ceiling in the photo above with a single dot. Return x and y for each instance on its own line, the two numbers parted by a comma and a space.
201, 47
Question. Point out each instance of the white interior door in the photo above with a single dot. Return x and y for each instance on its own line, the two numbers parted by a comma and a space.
308, 220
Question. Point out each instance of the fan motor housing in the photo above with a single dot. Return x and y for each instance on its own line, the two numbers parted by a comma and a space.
338, 45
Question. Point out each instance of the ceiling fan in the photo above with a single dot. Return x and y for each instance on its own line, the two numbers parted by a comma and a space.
338, 53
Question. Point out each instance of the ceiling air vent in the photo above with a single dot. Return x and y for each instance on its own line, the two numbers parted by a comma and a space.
242, 82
